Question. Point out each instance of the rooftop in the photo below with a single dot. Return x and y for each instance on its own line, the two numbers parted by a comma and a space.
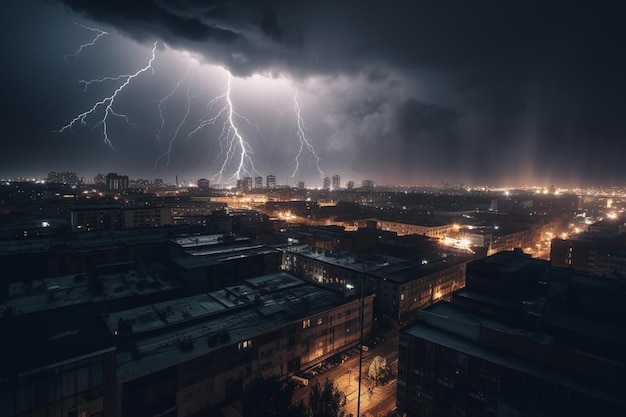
114, 282
424, 331
345, 259
86, 242
173, 331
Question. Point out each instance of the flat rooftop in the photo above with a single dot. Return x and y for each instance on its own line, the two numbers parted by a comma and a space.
117, 281
215, 256
414, 269
346, 259
86, 242
435, 335
465, 319
508, 261
175, 331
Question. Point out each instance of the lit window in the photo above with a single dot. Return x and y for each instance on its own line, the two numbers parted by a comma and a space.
245, 344
306, 323
319, 321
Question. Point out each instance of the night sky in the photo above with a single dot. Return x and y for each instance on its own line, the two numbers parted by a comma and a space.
399, 92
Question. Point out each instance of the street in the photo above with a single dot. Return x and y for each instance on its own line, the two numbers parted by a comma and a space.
375, 400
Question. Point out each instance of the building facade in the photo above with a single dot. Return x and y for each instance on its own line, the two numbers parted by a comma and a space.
190, 355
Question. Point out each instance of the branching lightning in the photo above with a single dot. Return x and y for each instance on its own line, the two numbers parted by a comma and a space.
234, 157
100, 33
304, 141
108, 102
233, 147
162, 103
168, 152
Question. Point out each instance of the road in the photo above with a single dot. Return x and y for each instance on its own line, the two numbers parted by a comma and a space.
375, 401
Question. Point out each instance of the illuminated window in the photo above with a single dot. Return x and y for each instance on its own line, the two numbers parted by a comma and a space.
245, 344
306, 323
319, 321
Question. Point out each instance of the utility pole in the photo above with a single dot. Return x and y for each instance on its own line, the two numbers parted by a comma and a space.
358, 400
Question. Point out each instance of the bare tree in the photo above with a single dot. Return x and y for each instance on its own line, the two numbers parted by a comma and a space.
378, 369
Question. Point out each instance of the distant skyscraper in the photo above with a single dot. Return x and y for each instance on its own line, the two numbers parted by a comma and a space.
258, 182
336, 182
100, 179
158, 182
203, 184
350, 185
69, 178
245, 184
271, 182
326, 185
367, 185
301, 185
117, 182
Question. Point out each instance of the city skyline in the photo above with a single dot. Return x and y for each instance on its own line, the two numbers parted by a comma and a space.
485, 93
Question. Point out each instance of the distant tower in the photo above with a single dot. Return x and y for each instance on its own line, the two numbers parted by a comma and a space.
367, 185
100, 179
117, 182
271, 182
203, 184
300, 185
326, 185
336, 182
246, 184
258, 182
350, 185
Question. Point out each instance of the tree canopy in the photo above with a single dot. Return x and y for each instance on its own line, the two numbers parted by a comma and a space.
378, 369
326, 400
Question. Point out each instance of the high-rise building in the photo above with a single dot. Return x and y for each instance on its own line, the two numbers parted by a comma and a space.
326, 185
68, 177
203, 184
271, 182
350, 185
367, 185
245, 184
117, 182
100, 179
301, 185
258, 182
336, 182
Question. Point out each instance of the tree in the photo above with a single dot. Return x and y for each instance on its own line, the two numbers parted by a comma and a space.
266, 397
326, 400
378, 369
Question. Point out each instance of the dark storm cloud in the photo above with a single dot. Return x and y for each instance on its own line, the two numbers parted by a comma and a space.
416, 119
476, 43
490, 88
240, 36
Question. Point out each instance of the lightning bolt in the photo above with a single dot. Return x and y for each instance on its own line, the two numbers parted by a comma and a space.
304, 141
174, 134
233, 147
164, 100
108, 102
100, 33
